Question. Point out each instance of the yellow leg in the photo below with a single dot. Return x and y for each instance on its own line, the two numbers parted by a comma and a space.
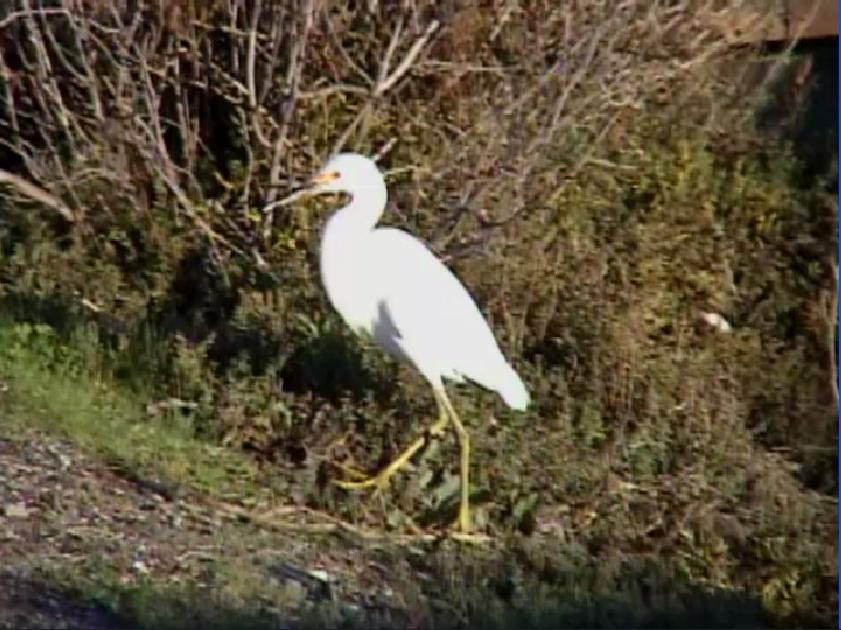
464, 445
380, 480
351, 472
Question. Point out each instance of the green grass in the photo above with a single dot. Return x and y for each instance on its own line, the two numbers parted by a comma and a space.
59, 388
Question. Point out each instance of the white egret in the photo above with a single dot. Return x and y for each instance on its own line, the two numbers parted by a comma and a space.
387, 284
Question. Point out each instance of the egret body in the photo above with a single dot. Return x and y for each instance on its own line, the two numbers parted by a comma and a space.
387, 284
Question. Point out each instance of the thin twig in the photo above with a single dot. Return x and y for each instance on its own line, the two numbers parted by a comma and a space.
36, 193
384, 85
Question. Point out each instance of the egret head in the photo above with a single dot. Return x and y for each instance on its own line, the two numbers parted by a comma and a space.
347, 172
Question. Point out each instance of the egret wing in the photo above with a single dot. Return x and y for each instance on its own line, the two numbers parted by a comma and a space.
440, 327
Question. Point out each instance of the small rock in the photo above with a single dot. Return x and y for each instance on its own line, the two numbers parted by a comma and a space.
716, 322
16, 510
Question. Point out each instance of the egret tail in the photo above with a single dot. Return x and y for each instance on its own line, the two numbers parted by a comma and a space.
514, 392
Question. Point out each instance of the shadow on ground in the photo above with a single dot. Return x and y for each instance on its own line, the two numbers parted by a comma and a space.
27, 602
37, 602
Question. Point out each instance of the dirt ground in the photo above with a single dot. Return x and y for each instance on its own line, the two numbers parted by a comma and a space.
84, 546
64, 513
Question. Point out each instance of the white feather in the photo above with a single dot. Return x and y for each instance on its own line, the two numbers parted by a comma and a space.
387, 283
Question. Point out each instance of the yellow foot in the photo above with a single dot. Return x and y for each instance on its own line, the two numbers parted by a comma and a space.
473, 539
362, 482
460, 528
380, 482
460, 531
352, 472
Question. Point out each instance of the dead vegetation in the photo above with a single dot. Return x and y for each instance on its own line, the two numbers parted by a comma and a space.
591, 170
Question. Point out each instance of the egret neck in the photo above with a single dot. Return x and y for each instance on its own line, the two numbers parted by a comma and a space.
343, 271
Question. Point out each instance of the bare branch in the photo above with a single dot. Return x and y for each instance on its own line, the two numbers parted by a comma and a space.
28, 13
36, 193
385, 84
293, 80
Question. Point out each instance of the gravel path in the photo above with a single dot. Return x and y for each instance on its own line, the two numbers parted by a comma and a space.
61, 509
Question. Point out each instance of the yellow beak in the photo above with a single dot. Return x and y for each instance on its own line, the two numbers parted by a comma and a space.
324, 178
